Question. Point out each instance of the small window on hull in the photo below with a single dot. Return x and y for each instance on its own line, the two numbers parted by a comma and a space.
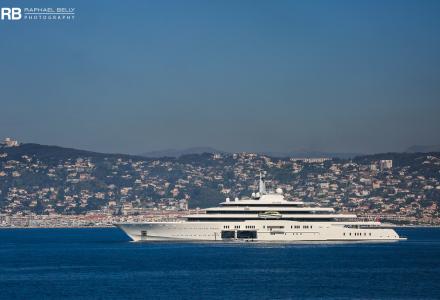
246, 234
228, 234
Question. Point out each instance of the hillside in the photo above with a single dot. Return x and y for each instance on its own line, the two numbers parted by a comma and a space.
49, 179
55, 153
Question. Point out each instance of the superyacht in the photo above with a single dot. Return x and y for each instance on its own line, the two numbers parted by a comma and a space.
265, 217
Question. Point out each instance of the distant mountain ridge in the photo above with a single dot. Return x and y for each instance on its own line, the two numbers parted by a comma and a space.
199, 150
58, 152
313, 154
178, 153
423, 148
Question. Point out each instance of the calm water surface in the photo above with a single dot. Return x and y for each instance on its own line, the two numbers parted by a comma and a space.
103, 264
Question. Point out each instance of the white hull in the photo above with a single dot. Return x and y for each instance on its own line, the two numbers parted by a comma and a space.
262, 231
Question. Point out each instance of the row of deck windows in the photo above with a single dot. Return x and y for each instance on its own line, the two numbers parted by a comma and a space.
262, 211
270, 227
304, 227
238, 226
359, 234
241, 219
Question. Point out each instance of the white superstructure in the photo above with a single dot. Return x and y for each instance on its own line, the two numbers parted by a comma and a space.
266, 217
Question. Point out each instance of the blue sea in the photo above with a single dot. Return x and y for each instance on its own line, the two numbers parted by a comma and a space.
104, 264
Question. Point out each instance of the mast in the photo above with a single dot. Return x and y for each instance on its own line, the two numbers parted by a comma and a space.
262, 188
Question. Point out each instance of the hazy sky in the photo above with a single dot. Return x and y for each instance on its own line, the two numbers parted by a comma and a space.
135, 76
